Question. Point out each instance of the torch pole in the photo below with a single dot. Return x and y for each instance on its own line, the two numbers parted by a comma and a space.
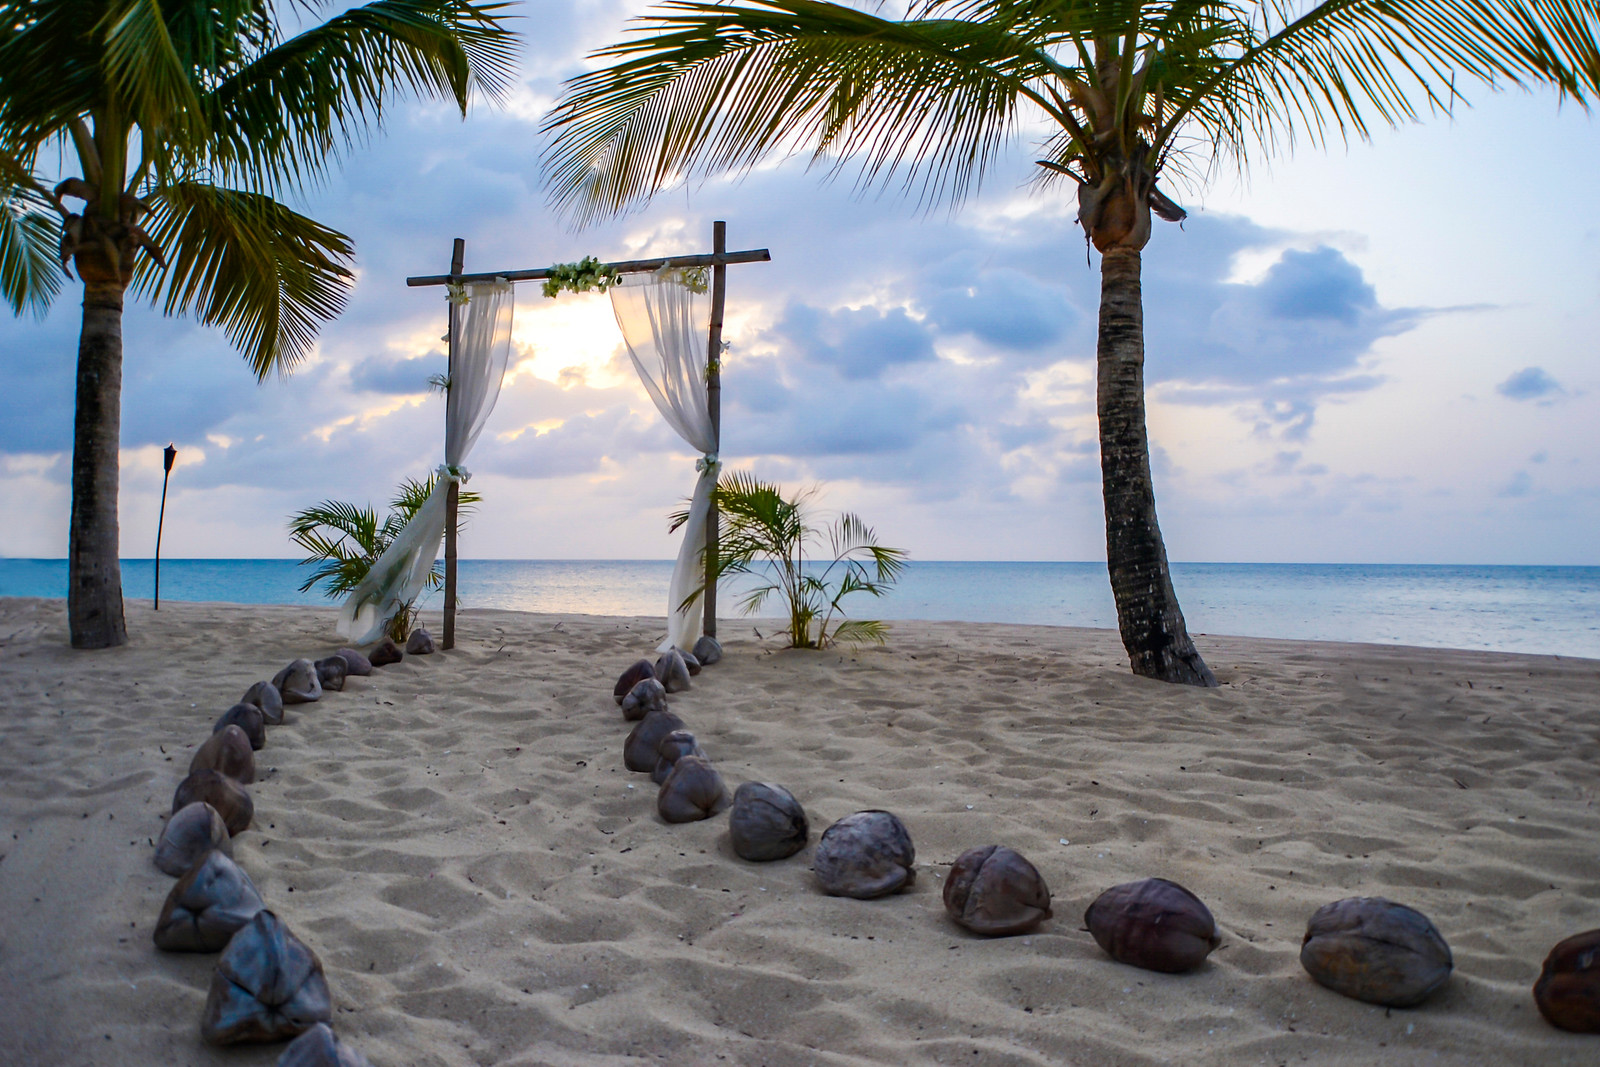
168, 455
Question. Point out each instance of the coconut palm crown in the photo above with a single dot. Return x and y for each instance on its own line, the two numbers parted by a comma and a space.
1118, 92
185, 120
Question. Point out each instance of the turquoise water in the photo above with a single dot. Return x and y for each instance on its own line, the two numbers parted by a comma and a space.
1511, 609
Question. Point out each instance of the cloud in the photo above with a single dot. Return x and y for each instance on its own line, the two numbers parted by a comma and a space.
859, 343
1529, 383
401, 377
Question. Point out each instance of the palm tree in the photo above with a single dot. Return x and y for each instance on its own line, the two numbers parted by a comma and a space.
185, 118
344, 541
1119, 91
775, 539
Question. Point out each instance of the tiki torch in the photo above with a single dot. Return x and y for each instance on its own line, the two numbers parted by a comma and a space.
167, 457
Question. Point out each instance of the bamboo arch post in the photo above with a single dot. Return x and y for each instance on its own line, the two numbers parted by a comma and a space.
452, 500
719, 295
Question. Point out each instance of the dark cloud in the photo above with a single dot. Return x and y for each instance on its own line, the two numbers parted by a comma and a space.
1530, 383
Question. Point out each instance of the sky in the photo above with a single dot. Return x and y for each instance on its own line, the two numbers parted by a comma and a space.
1380, 353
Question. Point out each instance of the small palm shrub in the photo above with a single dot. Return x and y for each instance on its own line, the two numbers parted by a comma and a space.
344, 541
809, 567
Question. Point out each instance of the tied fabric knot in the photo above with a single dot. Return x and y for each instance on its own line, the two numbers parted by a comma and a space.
707, 462
454, 472
457, 293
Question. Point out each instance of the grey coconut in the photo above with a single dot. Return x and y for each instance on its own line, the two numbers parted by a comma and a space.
319, 1047
646, 696
265, 696
865, 855
206, 906
639, 751
298, 684
766, 823
190, 833
268, 986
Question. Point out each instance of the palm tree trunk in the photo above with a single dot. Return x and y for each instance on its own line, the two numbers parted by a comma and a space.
94, 574
1148, 615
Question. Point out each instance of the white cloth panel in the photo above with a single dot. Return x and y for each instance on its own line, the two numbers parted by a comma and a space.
665, 325
481, 343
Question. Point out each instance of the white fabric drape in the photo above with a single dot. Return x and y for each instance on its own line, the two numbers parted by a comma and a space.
480, 344
665, 324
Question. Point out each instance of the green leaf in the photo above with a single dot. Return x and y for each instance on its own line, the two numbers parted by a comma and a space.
30, 234
240, 260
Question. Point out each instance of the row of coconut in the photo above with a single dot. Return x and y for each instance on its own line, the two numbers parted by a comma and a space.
268, 985
1367, 948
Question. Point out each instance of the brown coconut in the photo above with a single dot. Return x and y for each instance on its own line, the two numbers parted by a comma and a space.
190, 833
707, 650
646, 696
995, 891
355, 664
672, 671
246, 717
385, 652
331, 672
206, 906
231, 799
229, 752
1375, 950
674, 746
268, 986
631, 677
1154, 924
865, 855
693, 791
265, 696
639, 750
766, 823
1568, 990
297, 683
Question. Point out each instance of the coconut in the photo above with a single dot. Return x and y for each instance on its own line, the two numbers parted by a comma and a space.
206, 906
639, 750
994, 890
231, 799
766, 823
1568, 990
865, 855
1375, 950
190, 833
268, 986
1154, 924
227, 751
693, 791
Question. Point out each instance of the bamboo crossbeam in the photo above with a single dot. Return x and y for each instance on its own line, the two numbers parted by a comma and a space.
629, 266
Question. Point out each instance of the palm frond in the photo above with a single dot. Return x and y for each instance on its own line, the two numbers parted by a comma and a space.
860, 632
30, 236
709, 88
289, 112
146, 74
240, 260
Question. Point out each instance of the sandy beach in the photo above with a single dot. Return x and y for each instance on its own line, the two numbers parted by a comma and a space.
457, 839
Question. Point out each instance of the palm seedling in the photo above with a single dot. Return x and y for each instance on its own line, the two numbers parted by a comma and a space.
776, 541
344, 541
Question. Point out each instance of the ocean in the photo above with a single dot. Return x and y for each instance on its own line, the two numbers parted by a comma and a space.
1553, 610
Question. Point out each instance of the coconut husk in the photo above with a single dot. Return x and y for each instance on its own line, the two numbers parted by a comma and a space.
766, 823
206, 906
639, 750
229, 752
865, 855
693, 791
190, 833
1154, 924
268, 986
230, 799
995, 891
1375, 950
